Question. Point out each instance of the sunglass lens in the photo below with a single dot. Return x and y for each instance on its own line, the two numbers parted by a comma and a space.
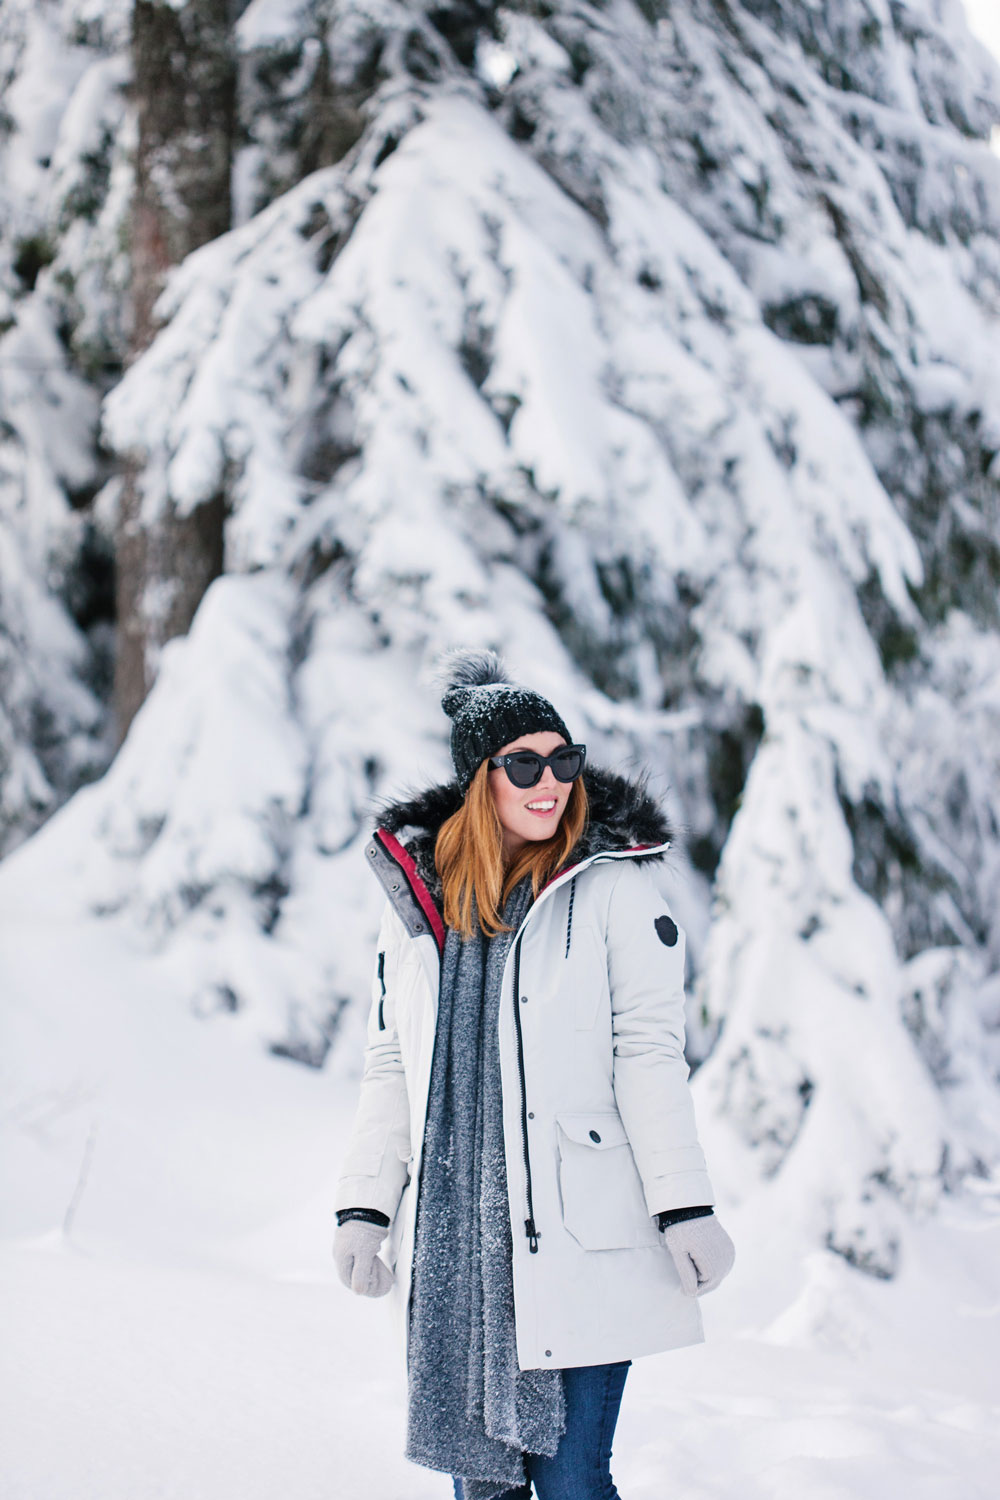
524, 770
567, 765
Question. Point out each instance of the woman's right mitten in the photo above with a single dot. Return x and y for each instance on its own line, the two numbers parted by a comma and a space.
355, 1250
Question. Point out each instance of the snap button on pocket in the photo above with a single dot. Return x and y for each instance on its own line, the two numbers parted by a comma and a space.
596, 1127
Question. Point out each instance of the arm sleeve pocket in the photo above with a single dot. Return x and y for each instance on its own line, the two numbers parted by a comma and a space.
376, 1162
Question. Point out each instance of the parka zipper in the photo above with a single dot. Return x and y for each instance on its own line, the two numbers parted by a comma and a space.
381, 1002
529, 1223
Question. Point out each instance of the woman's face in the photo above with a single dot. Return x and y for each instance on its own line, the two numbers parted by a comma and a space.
529, 814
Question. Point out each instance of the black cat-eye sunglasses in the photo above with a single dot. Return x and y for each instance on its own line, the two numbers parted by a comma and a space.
525, 767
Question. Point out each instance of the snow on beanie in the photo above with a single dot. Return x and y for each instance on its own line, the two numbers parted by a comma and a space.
488, 710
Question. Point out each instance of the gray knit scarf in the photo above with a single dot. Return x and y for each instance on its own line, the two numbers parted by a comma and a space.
472, 1412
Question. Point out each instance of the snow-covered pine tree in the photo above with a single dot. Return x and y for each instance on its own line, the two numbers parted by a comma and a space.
654, 342
64, 182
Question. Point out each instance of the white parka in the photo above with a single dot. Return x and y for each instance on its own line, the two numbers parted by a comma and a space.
598, 1117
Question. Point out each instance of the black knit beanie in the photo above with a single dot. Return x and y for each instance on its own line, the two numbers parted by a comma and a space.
488, 710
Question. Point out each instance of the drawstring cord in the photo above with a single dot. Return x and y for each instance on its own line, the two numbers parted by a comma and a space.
569, 918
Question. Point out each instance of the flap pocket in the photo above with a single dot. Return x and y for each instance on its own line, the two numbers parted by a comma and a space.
593, 1129
603, 1205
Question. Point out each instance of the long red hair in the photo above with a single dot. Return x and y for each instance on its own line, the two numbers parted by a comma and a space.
469, 856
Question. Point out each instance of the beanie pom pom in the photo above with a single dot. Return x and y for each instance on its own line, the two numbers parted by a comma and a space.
462, 668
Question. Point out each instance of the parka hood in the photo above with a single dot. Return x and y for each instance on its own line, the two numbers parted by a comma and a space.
623, 815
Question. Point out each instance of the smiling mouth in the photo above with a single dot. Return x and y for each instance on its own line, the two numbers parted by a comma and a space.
541, 809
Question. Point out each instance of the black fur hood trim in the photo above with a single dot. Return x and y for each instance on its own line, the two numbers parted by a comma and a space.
623, 815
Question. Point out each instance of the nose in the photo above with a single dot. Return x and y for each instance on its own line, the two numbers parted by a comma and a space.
547, 782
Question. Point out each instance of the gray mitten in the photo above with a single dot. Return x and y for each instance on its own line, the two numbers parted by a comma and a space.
355, 1250
703, 1253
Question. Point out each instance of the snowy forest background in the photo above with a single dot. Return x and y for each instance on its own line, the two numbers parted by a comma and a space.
656, 343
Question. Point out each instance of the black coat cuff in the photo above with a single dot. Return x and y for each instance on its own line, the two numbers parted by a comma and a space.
678, 1215
366, 1215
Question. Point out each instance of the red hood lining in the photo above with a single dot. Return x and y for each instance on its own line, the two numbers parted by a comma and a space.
408, 865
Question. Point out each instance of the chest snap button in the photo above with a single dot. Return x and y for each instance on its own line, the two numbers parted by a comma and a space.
594, 1136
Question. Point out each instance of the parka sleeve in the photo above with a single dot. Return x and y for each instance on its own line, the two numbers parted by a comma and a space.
646, 971
375, 1165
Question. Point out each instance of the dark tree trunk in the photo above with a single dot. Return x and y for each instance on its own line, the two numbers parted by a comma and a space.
184, 83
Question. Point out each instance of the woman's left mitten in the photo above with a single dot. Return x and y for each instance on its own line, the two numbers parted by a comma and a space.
703, 1253
355, 1250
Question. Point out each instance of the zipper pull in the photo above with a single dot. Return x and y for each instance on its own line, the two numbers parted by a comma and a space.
381, 1003
533, 1235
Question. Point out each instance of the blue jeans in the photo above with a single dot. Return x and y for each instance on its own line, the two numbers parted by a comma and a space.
580, 1469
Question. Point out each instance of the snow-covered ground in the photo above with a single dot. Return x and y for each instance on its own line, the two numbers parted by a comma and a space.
173, 1328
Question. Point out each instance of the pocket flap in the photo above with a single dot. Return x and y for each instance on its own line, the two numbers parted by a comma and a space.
599, 1131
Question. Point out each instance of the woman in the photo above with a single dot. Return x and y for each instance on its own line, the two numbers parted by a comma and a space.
524, 1171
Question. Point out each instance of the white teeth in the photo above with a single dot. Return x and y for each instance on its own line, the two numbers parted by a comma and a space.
541, 806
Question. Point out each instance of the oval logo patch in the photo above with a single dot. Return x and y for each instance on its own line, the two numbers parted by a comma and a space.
666, 930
